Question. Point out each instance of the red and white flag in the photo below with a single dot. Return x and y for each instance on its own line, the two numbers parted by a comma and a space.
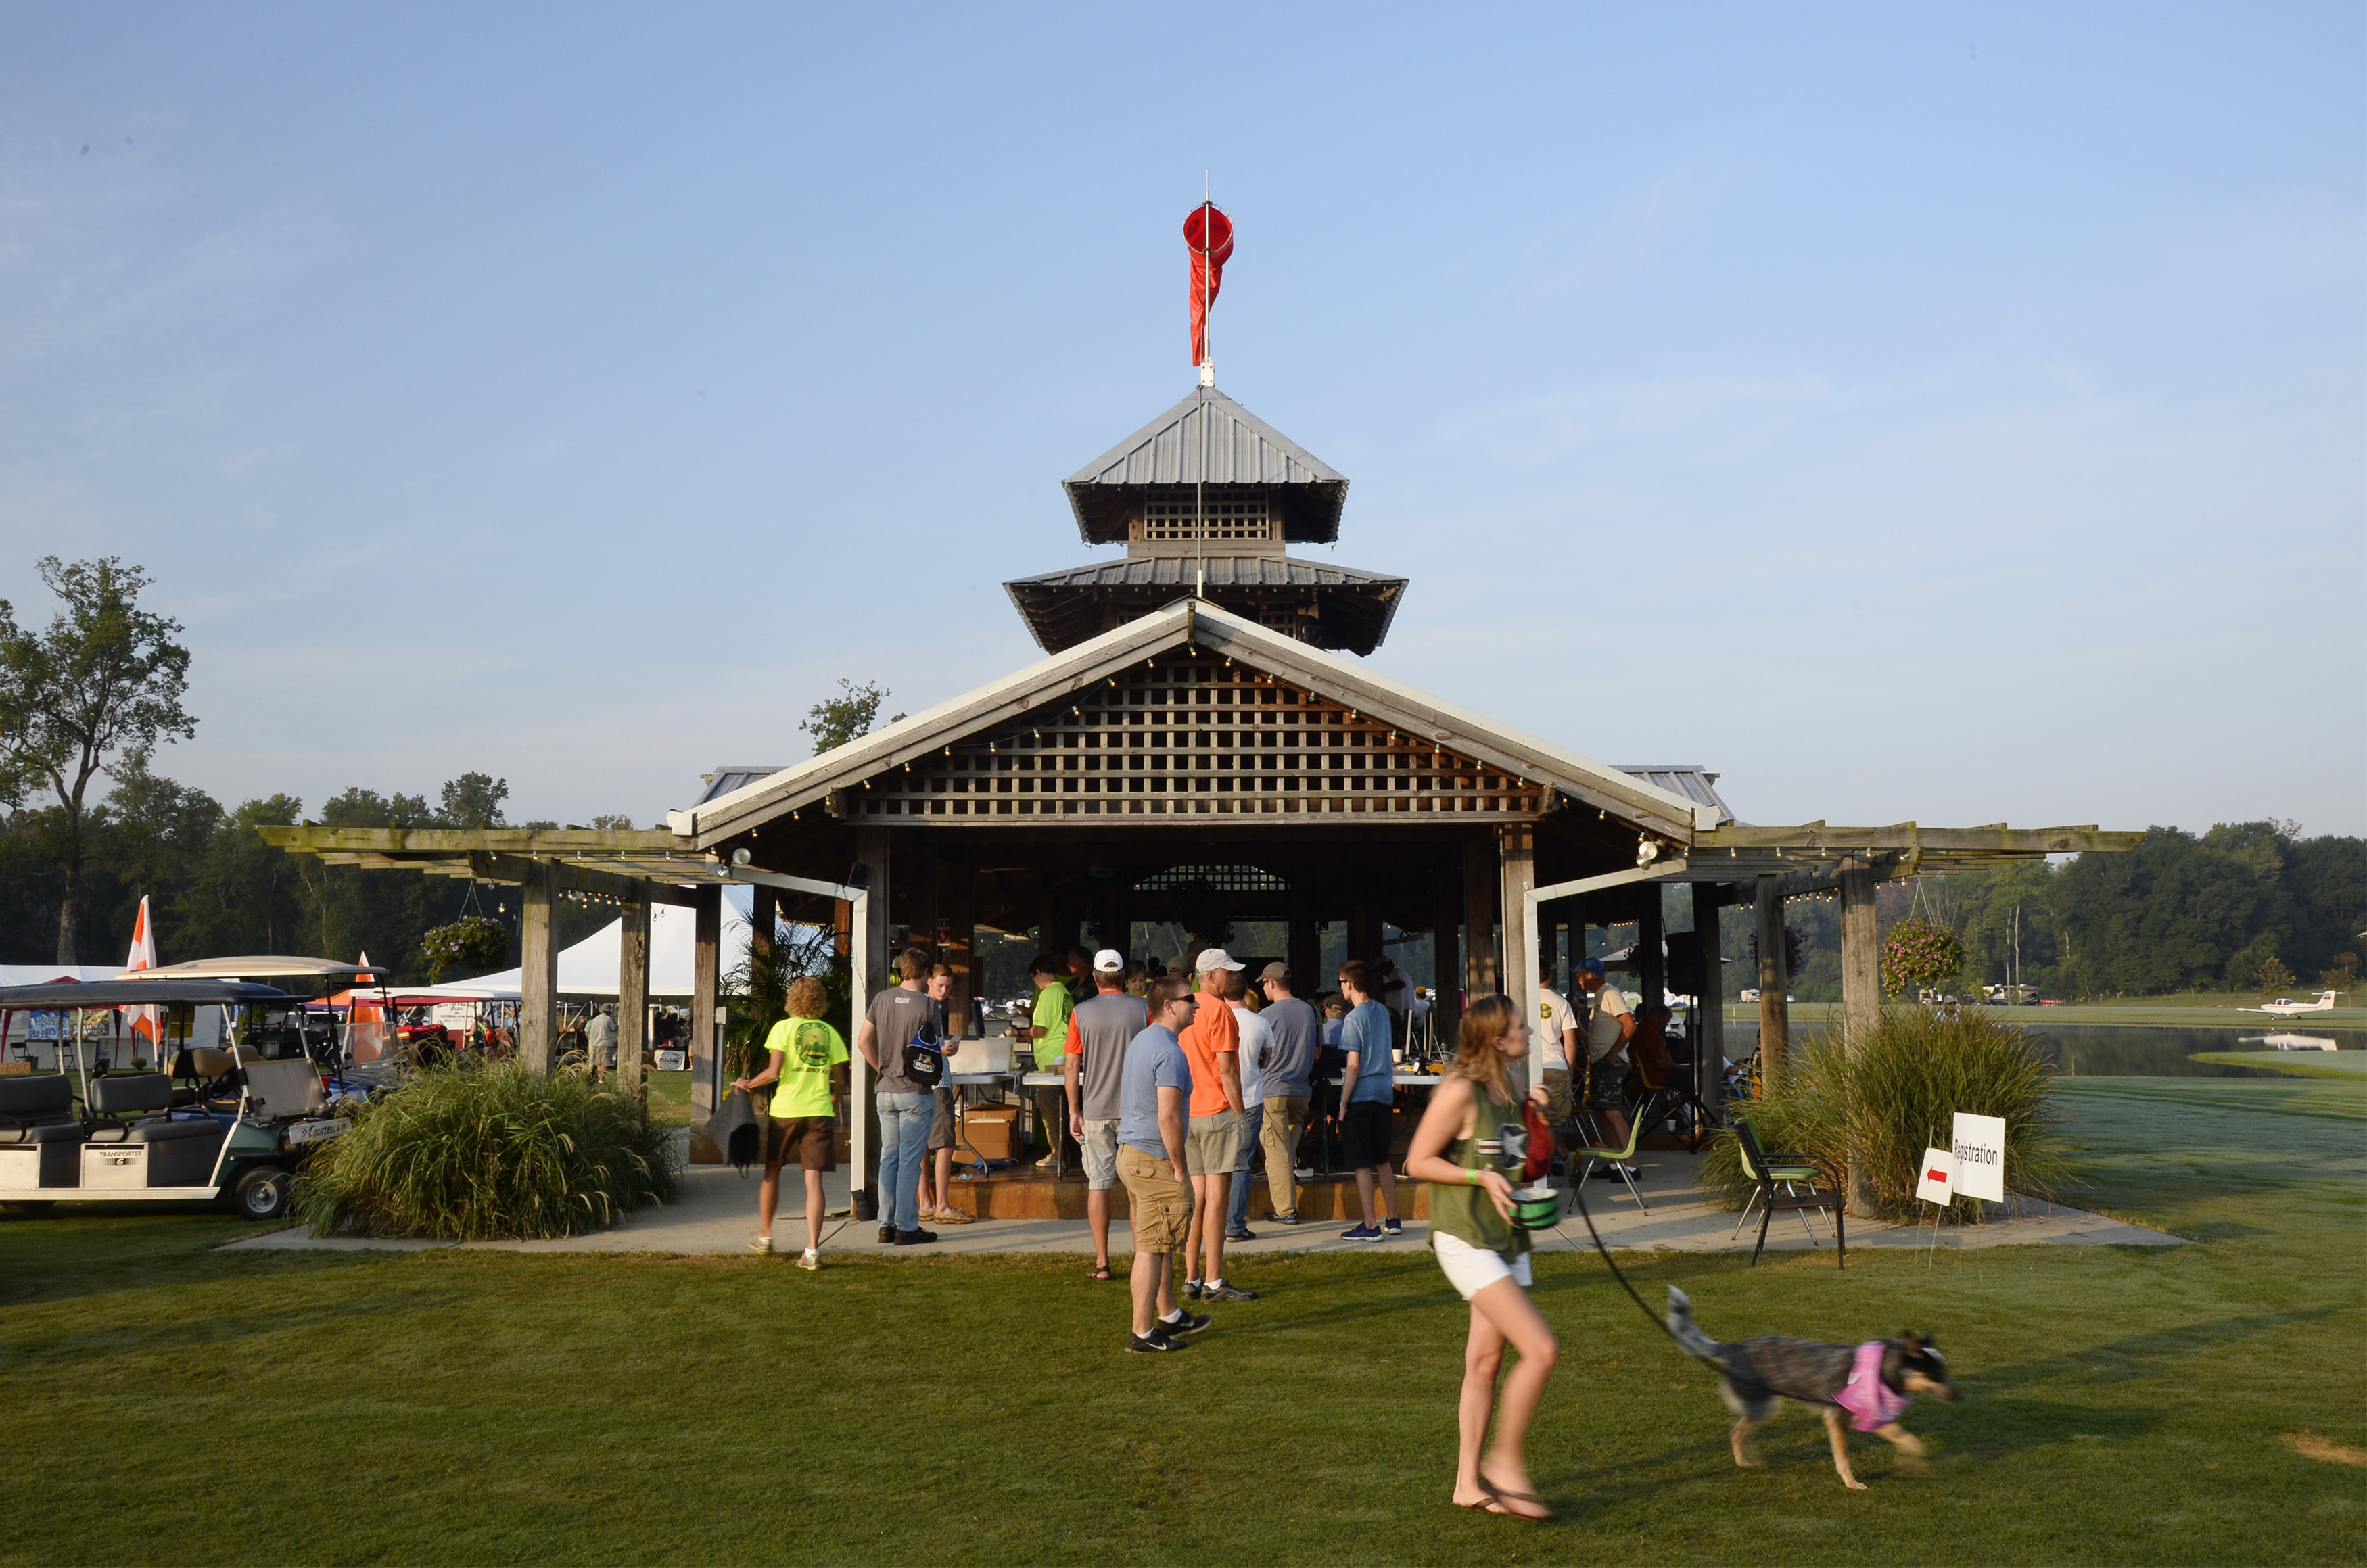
1209, 233
147, 1022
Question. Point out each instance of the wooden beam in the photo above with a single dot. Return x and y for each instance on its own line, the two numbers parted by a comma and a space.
633, 1003
1709, 1010
546, 842
706, 978
1995, 840
1860, 998
487, 866
538, 972
1775, 981
1480, 918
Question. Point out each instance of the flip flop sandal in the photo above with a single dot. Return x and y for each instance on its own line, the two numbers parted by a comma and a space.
1507, 1498
1099, 1274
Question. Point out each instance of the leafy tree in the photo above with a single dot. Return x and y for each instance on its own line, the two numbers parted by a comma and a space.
2272, 976
101, 687
248, 896
613, 822
852, 714
474, 800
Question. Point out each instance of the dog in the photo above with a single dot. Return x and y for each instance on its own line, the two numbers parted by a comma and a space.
1867, 1386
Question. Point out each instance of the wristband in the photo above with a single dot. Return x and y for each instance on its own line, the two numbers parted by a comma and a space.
1470, 1179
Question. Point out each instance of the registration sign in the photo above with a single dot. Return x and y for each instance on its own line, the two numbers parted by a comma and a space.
314, 1132
1938, 1184
1980, 1157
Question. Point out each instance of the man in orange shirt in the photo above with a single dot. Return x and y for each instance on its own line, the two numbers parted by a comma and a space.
1211, 1148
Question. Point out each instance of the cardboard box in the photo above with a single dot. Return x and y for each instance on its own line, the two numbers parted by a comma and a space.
989, 1131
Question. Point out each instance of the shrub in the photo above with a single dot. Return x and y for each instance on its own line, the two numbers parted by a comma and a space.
1899, 1090
489, 1153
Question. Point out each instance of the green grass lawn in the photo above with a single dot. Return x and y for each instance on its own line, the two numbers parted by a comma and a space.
669, 1098
164, 1401
2197, 1010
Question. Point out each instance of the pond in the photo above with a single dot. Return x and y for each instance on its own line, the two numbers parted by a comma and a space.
2125, 1051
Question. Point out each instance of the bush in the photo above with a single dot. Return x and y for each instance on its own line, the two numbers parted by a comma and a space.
487, 1153
1899, 1090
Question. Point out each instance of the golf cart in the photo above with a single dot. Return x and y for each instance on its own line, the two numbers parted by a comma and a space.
232, 1122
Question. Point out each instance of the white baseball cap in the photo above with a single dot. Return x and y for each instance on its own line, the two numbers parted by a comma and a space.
1108, 962
1217, 958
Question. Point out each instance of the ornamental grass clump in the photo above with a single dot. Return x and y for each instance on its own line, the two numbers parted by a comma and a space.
1894, 1094
487, 1153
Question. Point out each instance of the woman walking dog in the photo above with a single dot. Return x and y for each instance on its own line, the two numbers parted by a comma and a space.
1473, 1132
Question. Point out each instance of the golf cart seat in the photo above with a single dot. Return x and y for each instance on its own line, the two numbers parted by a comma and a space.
199, 1068
179, 1153
118, 1097
37, 1115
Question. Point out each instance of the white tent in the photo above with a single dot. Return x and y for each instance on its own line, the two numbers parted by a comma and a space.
590, 968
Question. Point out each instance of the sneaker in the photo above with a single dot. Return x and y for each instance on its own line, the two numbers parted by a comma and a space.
1154, 1343
915, 1238
1289, 1219
1184, 1322
1363, 1232
1393, 1228
1606, 1173
887, 1234
1228, 1293
809, 1258
1242, 1235
760, 1244
1191, 1289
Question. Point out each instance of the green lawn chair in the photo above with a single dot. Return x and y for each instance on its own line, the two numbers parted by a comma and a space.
1768, 1172
1643, 1117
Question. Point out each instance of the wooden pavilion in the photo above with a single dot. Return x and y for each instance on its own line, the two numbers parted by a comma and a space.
1200, 721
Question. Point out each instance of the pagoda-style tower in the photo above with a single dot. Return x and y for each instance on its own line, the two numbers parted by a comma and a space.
1204, 497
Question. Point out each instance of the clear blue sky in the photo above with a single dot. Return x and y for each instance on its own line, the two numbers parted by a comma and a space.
1944, 412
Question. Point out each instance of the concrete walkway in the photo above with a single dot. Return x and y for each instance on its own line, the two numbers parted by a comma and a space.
717, 1213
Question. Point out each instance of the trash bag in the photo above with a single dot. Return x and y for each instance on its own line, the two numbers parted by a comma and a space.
735, 1131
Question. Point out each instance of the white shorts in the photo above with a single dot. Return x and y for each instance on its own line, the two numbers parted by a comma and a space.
1099, 1140
1471, 1269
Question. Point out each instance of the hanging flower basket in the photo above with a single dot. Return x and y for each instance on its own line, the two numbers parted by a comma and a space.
471, 942
1920, 952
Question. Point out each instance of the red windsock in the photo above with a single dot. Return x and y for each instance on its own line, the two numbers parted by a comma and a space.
1209, 233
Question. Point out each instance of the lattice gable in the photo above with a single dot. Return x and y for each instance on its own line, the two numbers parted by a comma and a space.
1188, 733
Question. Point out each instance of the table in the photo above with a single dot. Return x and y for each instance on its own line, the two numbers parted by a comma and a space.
1059, 1131
962, 1106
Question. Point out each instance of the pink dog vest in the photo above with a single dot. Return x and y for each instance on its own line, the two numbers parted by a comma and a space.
1867, 1398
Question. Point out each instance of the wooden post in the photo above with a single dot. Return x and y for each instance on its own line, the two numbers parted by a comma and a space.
1446, 925
1480, 918
872, 965
705, 978
1517, 872
537, 969
1306, 954
1363, 932
1775, 981
632, 1001
764, 922
958, 907
1860, 995
1651, 964
1709, 1010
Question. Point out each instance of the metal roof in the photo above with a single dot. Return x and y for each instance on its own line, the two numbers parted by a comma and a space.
1239, 449
1353, 607
1698, 784
733, 776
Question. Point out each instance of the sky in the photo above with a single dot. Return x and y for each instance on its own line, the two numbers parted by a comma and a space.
1945, 414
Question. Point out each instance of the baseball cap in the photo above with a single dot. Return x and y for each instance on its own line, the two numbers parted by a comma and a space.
1590, 967
1108, 960
1217, 958
1277, 970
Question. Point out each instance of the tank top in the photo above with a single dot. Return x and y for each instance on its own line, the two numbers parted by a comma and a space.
1466, 1211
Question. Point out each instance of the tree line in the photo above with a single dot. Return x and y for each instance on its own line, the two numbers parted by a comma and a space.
2247, 906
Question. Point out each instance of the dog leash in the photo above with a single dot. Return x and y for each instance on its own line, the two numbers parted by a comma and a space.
1578, 1190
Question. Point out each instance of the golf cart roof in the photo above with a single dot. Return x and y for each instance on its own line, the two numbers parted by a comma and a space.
261, 966
132, 994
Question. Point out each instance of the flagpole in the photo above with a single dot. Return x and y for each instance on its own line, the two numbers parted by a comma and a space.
1200, 492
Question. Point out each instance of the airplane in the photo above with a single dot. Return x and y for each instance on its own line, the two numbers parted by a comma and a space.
2285, 1007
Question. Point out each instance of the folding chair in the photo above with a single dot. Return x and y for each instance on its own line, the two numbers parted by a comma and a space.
1677, 1094
1643, 1118
1767, 1176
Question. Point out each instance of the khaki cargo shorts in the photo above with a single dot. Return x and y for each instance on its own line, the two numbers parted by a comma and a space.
1159, 1202
1212, 1144
1099, 1140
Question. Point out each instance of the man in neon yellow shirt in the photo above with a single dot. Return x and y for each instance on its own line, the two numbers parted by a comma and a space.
1048, 1028
805, 1051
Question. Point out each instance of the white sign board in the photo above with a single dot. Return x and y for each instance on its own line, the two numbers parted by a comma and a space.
1980, 1157
1937, 1183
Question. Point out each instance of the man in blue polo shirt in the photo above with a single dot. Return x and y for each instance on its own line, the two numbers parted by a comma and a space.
1154, 1086
1368, 1092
